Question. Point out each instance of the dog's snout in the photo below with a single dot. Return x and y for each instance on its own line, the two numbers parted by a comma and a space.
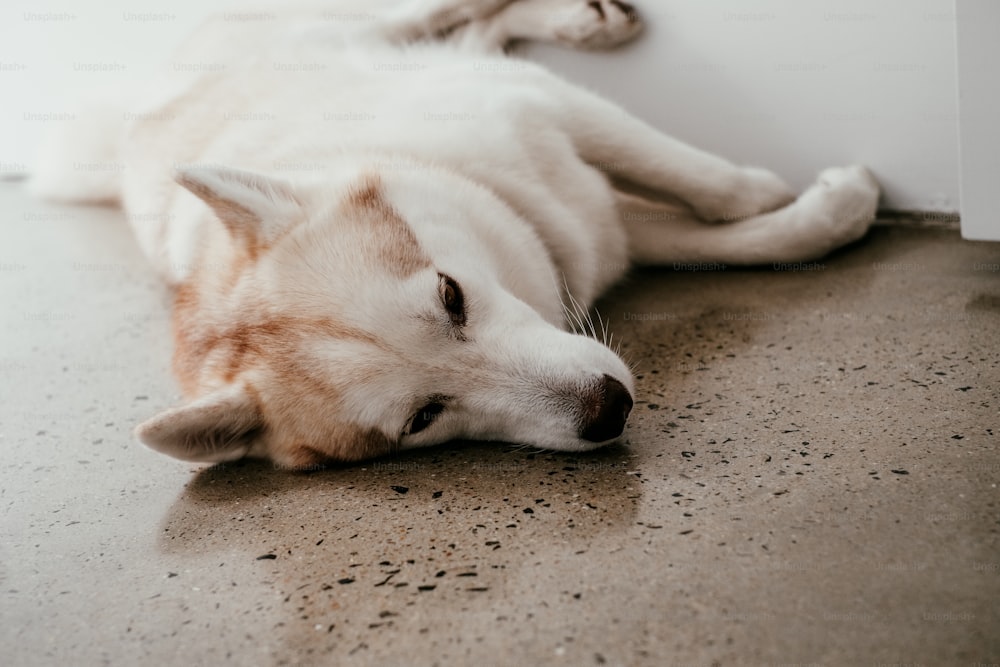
605, 411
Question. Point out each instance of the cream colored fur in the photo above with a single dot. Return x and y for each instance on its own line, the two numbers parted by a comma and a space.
346, 168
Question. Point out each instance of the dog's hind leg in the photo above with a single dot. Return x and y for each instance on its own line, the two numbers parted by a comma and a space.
836, 210
637, 154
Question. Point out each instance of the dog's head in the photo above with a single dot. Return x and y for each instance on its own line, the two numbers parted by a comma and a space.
405, 311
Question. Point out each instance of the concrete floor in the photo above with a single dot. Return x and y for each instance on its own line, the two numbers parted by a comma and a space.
810, 477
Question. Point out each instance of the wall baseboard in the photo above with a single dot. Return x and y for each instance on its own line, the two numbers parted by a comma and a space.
918, 219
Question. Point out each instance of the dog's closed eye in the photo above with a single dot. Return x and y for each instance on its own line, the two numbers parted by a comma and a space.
425, 417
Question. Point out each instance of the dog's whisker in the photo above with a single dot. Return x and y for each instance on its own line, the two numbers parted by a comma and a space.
590, 323
605, 328
518, 448
582, 320
576, 323
599, 327
587, 321
571, 310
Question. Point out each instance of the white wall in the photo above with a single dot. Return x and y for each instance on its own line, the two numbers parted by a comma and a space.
789, 84
48, 51
798, 85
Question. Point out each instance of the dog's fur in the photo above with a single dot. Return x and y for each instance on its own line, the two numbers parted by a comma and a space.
376, 223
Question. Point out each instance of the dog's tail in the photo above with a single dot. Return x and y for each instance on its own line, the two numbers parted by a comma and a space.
80, 161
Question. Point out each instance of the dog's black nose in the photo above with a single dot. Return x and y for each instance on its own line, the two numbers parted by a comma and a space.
606, 410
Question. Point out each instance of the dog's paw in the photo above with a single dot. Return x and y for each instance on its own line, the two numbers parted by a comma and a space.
597, 24
846, 201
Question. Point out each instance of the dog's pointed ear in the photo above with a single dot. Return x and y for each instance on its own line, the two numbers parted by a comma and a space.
255, 209
219, 427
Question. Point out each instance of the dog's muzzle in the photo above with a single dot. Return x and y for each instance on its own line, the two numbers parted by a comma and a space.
606, 410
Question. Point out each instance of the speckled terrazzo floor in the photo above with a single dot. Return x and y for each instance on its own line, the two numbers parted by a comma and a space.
810, 477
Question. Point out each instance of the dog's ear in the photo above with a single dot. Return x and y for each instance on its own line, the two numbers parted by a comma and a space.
255, 209
219, 427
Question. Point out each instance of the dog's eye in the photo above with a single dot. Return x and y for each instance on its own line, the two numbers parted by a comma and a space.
424, 418
453, 300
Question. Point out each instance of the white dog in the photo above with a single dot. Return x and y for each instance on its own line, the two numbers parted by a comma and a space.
381, 218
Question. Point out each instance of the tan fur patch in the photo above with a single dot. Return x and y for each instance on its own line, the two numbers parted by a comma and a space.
306, 459
271, 338
295, 415
367, 193
346, 443
399, 251
187, 359
210, 348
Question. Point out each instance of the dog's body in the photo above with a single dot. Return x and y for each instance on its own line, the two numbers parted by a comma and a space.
405, 213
